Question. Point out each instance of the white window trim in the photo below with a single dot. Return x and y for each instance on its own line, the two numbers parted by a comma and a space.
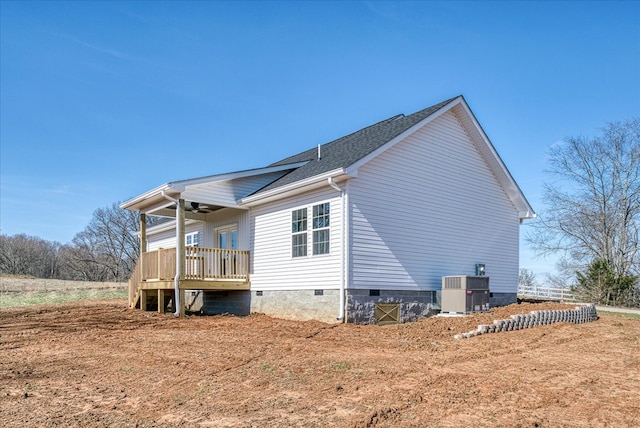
320, 229
304, 232
309, 230
192, 235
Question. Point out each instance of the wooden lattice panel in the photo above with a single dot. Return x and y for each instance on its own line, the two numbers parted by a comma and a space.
387, 313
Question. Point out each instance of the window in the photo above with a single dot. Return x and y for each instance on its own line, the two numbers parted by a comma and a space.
192, 239
321, 241
299, 233
321, 228
227, 237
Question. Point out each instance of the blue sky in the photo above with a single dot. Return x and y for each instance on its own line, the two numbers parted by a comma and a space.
102, 101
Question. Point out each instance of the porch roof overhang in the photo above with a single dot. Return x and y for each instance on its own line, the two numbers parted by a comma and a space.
216, 191
337, 175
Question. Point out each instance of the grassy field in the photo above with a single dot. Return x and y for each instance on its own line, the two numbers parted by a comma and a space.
20, 291
28, 298
623, 314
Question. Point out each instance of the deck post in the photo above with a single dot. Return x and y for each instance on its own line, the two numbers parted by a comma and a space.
143, 238
143, 300
180, 251
160, 301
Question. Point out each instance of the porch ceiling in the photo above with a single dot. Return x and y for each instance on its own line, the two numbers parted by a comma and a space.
197, 202
193, 210
216, 191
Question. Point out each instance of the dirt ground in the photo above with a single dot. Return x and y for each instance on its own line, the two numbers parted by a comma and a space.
103, 364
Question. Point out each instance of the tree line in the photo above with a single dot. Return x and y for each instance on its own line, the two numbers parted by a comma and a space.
106, 250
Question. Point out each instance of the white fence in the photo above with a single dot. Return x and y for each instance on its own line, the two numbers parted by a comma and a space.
539, 292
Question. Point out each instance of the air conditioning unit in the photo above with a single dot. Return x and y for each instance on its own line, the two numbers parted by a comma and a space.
465, 293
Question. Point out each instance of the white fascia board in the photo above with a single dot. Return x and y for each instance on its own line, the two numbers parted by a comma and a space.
524, 215
156, 207
182, 184
294, 188
135, 203
153, 199
525, 211
352, 170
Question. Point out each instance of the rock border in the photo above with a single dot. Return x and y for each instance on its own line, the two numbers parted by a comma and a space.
579, 315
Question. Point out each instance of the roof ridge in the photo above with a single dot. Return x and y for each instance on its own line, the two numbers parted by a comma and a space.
311, 153
385, 121
434, 107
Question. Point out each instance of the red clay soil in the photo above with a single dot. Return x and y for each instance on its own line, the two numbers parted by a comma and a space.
102, 364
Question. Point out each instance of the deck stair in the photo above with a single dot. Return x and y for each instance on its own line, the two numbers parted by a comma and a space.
136, 299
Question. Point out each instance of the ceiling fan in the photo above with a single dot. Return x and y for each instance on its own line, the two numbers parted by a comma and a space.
197, 207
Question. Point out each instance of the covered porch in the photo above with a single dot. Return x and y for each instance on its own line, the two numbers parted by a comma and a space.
203, 269
163, 275
217, 261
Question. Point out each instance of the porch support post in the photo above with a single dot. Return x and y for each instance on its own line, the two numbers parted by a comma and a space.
143, 300
180, 252
160, 301
143, 234
143, 244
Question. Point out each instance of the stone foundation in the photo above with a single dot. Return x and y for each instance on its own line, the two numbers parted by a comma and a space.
324, 305
413, 305
302, 305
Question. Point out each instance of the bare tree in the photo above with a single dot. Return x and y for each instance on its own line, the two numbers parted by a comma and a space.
593, 201
108, 248
526, 278
29, 255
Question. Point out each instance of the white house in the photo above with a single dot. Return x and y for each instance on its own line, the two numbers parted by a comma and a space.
377, 216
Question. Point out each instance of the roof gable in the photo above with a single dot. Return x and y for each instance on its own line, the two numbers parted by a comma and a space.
347, 150
350, 152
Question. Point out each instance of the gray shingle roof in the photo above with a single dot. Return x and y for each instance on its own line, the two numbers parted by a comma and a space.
347, 150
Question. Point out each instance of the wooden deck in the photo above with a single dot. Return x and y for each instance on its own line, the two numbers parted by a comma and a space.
204, 269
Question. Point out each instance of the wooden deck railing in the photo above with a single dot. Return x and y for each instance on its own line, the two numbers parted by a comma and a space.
200, 264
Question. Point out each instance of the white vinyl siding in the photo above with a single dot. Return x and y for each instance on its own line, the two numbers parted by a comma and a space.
206, 231
167, 238
226, 193
225, 218
429, 207
273, 266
